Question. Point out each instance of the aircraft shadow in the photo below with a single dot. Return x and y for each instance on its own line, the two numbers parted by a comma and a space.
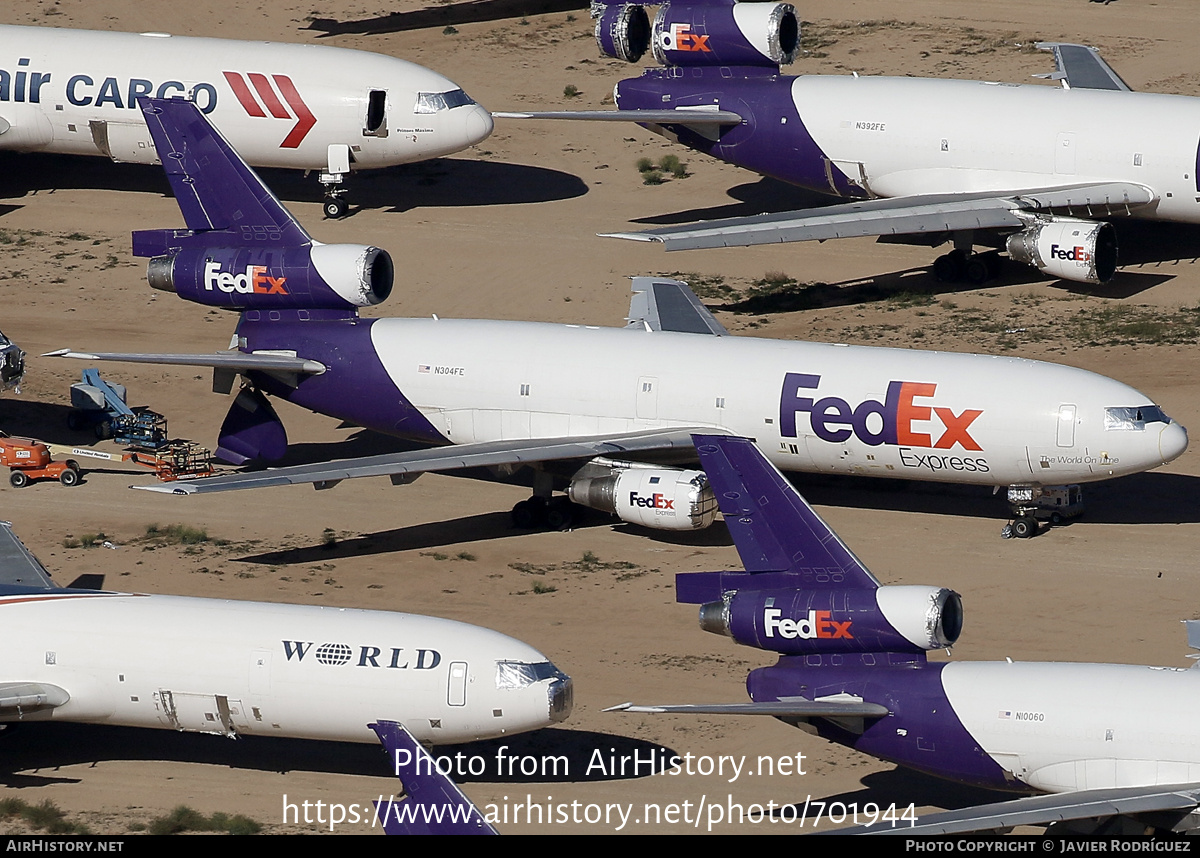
901, 787
33, 753
764, 196
439, 182
471, 12
1149, 498
455, 531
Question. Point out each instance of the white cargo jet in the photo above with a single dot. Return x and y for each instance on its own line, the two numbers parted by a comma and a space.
595, 411
296, 106
1035, 171
256, 669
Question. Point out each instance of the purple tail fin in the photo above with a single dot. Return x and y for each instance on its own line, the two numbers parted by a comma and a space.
432, 804
214, 187
780, 538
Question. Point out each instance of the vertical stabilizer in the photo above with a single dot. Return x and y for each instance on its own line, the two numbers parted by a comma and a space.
432, 803
216, 190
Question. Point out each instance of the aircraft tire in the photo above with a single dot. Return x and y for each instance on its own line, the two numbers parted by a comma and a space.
336, 207
948, 268
560, 515
1025, 527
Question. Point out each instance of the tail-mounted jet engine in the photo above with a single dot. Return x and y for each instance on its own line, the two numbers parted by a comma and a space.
306, 277
720, 33
1073, 249
662, 498
794, 621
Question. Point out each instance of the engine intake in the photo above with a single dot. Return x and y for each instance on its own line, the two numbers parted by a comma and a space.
316, 277
790, 621
1081, 250
622, 31
737, 34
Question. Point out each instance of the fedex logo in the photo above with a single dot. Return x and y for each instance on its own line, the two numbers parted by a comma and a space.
271, 102
816, 625
893, 421
681, 38
255, 280
655, 501
1075, 254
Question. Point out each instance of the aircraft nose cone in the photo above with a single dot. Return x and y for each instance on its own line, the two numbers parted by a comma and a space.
1172, 441
479, 125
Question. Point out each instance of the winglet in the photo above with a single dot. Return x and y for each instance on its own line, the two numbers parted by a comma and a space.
779, 537
216, 190
1081, 67
431, 804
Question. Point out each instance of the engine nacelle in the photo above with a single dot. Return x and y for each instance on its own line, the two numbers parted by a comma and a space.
790, 621
662, 498
726, 34
1081, 250
316, 277
622, 31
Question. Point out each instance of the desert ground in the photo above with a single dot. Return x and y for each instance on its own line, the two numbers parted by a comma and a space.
509, 230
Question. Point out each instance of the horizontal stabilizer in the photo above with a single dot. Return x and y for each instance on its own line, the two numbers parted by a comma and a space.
261, 361
450, 458
670, 305
215, 188
432, 803
1082, 67
783, 708
773, 527
18, 567
1046, 809
678, 116
933, 214
17, 698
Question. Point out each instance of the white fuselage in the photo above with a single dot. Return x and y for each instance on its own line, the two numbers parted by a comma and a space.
279, 105
251, 668
911, 137
810, 406
1066, 727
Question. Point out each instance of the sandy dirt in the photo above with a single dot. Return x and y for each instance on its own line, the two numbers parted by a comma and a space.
509, 231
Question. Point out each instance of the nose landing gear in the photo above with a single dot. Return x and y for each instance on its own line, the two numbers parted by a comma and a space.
333, 177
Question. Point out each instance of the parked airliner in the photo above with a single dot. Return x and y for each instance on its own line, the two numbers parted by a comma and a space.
1112, 741
1033, 170
256, 669
298, 106
599, 412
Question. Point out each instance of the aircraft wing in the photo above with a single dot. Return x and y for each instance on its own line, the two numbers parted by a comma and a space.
1081, 67
432, 803
695, 116
932, 214
795, 707
450, 458
18, 567
231, 360
1046, 809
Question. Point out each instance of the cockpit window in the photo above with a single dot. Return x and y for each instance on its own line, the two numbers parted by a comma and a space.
518, 674
1134, 418
434, 102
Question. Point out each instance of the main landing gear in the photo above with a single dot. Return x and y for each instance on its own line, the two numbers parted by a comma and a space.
962, 265
549, 513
